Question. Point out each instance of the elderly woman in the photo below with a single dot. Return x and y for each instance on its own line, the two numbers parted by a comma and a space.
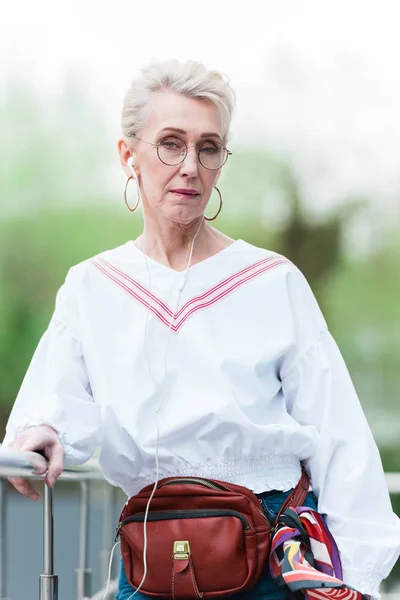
187, 353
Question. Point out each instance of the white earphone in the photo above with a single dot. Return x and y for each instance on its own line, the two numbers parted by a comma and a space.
131, 164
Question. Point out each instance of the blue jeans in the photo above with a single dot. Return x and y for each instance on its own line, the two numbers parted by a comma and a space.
266, 588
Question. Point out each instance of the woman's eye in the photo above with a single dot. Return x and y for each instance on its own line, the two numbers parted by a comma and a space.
168, 144
209, 149
172, 144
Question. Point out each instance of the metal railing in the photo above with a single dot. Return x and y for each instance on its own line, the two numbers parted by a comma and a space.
22, 464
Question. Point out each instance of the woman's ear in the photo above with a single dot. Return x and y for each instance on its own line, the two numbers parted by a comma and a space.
126, 154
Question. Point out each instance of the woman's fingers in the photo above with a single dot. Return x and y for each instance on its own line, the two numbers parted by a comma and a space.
38, 461
24, 487
56, 463
43, 439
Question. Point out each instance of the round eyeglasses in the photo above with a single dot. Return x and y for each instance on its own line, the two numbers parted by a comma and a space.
172, 151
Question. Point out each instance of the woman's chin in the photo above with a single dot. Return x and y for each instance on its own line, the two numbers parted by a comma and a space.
184, 215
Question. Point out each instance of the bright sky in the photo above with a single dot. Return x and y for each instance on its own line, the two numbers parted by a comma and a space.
316, 79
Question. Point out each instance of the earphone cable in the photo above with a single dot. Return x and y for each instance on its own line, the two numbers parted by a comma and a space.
109, 570
157, 383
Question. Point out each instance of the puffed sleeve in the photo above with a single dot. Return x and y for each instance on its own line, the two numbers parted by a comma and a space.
346, 470
56, 388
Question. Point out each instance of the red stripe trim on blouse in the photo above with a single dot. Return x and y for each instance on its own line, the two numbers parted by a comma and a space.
216, 293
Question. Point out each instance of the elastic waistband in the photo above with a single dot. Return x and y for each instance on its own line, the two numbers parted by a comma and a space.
264, 474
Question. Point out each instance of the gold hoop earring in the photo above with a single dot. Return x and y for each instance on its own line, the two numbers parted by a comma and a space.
138, 193
219, 209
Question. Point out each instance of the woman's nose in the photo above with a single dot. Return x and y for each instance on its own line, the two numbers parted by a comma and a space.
190, 165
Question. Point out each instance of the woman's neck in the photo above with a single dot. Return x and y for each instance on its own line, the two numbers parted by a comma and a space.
171, 244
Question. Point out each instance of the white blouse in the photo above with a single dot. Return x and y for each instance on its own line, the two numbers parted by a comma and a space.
250, 380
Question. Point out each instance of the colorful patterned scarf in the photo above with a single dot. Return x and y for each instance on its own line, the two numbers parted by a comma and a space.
304, 556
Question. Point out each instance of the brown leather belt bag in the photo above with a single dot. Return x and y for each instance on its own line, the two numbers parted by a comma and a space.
205, 538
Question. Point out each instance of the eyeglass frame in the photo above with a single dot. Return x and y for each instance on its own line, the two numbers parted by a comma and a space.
228, 152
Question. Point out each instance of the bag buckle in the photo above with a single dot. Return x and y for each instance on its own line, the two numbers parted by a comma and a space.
181, 550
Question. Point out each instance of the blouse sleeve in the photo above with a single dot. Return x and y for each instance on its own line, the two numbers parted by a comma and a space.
346, 470
56, 389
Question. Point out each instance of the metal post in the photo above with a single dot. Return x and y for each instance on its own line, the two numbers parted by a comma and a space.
108, 531
3, 535
83, 574
48, 581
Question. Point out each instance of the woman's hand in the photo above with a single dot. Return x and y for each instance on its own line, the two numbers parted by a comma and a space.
44, 439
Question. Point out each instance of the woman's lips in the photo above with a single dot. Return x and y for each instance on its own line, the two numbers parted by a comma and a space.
185, 192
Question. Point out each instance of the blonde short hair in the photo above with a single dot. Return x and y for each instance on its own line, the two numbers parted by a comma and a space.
189, 78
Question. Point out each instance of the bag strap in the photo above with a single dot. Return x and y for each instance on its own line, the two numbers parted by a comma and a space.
297, 496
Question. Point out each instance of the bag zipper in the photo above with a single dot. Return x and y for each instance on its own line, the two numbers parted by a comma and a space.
195, 481
262, 513
206, 483
165, 515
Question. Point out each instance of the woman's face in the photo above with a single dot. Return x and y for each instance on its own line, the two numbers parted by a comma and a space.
178, 193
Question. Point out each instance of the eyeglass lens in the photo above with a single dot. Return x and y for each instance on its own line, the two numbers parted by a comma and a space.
172, 151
